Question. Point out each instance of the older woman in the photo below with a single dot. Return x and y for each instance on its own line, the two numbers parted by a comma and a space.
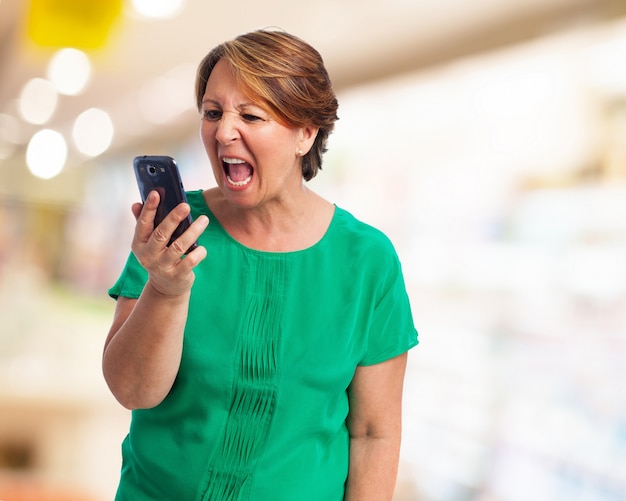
268, 363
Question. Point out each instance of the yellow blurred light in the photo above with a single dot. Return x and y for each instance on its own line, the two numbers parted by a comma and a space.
38, 101
46, 154
69, 70
72, 23
93, 132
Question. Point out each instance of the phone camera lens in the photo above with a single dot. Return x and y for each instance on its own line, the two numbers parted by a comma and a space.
152, 169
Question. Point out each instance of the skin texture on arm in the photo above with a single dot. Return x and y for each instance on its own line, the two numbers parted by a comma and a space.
375, 426
143, 349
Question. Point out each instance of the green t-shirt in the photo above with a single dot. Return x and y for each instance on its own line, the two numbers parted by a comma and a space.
258, 409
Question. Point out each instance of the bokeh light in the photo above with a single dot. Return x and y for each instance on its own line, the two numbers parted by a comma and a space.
93, 132
38, 101
46, 154
157, 8
69, 70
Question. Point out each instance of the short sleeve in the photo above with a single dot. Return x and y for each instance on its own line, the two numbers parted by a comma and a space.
392, 331
131, 281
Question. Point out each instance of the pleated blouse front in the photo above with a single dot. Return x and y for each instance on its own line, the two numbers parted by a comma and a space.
272, 340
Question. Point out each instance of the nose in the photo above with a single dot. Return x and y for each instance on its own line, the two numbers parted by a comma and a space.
227, 131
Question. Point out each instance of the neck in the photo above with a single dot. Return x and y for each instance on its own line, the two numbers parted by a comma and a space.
283, 225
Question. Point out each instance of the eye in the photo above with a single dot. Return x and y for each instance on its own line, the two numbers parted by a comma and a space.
248, 117
212, 115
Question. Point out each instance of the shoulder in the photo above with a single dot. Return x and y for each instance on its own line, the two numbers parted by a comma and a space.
364, 248
361, 233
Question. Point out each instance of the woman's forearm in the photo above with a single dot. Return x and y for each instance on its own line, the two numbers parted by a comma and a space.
373, 468
375, 425
143, 351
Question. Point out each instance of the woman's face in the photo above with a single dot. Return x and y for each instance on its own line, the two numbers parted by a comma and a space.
254, 158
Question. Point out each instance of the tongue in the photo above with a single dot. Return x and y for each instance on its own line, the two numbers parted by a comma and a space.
239, 172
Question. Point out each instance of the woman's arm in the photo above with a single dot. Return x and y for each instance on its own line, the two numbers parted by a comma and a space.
143, 349
375, 426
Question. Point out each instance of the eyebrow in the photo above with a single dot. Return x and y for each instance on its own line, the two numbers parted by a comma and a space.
239, 107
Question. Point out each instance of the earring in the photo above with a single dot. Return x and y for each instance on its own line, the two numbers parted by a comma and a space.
300, 153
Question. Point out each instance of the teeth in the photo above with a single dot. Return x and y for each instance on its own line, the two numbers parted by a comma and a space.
233, 161
239, 183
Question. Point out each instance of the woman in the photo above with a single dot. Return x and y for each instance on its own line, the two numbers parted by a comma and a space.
267, 364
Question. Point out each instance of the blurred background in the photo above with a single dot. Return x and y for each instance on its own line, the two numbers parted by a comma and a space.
487, 138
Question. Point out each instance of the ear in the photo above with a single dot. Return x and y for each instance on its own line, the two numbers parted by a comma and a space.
306, 138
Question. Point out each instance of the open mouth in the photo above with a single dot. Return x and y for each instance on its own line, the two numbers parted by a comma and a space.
238, 172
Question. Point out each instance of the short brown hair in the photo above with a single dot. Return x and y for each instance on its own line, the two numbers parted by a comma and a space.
288, 76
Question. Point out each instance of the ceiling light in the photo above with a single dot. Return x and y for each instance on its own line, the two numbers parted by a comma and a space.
38, 101
69, 70
46, 154
93, 132
157, 8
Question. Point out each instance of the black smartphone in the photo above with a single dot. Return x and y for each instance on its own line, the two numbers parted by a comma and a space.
161, 174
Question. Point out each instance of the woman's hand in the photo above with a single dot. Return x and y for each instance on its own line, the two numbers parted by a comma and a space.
170, 270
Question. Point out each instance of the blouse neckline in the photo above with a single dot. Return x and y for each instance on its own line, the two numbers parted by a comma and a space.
214, 221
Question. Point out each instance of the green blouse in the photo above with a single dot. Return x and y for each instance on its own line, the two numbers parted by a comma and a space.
258, 409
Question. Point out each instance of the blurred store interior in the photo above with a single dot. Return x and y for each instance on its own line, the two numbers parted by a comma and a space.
487, 138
